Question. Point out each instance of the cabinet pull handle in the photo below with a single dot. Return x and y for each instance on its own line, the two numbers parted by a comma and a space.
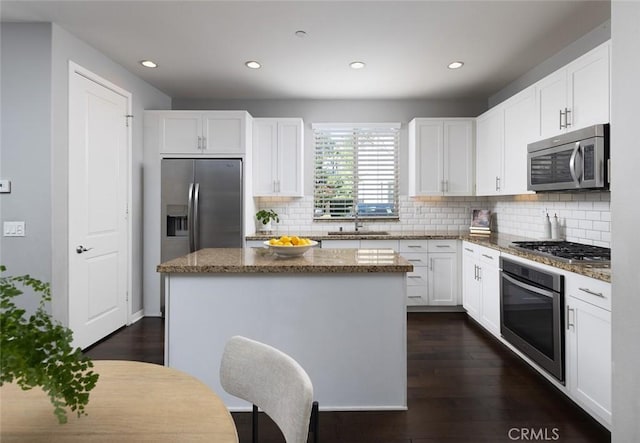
431, 264
414, 246
415, 259
468, 249
488, 256
475, 272
443, 246
560, 126
446, 186
567, 111
569, 311
199, 143
588, 291
413, 296
413, 276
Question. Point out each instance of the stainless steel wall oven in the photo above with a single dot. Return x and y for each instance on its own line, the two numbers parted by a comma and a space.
531, 308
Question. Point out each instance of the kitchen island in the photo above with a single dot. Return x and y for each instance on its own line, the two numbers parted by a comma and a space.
341, 313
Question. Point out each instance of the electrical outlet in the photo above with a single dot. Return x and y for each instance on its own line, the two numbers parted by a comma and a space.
14, 229
5, 186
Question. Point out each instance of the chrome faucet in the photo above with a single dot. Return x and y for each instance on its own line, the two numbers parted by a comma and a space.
358, 224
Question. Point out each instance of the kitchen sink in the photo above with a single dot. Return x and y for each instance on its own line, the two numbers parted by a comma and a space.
358, 233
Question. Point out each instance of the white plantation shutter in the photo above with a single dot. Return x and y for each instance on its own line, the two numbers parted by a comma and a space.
356, 164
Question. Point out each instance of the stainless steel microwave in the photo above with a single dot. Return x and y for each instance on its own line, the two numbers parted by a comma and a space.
577, 160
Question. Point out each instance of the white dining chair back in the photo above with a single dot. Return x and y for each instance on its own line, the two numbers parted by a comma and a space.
272, 381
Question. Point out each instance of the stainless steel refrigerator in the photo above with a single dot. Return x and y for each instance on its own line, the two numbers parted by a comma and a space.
201, 205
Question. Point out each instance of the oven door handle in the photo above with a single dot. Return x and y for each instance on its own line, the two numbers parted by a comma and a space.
531, 288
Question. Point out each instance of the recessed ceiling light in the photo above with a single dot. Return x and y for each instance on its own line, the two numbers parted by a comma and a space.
357, 65
300, 34
148, 64
455, 65
253, 64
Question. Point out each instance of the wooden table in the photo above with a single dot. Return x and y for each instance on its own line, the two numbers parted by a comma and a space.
132, 402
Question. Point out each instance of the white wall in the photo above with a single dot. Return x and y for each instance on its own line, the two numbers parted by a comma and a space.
65, 48
35, 63
625, 37
25, 153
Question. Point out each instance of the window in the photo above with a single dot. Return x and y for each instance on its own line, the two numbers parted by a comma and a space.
356, 168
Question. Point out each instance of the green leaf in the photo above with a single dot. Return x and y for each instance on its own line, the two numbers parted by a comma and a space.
36, 351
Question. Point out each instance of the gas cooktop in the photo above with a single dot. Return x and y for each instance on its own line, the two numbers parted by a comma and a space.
568, 252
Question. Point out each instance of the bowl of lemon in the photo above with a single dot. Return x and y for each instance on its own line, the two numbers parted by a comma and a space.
290, 246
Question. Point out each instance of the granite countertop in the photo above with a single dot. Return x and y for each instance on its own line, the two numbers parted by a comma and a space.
501, 242
262, 260
410, 235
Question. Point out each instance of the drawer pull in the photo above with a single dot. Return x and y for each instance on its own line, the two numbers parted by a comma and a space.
443, 246
414, 246
413, 296
488, 256
413, 276
467, 249
416, 260
597, 294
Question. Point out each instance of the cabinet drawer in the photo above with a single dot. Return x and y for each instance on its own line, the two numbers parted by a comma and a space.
413, 245
418, 277
589, 290
488, 255
416, 295
416, 258
442, 245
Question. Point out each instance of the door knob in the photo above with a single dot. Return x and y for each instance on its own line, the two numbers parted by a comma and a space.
80, 249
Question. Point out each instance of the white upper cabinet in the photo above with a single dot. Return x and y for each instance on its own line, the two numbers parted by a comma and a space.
575, 96
489, 143
203, 132
520, 121
278, 157
441, 157
503, 133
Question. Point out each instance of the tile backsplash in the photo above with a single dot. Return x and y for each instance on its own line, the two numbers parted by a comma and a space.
584, 217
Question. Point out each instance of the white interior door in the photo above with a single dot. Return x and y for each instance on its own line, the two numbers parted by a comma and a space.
98, 202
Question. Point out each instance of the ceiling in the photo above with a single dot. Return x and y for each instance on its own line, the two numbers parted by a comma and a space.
201, 46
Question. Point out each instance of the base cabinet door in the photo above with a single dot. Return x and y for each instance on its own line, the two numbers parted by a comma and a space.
443, 279
588, 353
490, 292
481, 285
470, 287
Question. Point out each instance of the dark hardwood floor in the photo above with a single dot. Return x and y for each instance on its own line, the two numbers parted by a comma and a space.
463, 386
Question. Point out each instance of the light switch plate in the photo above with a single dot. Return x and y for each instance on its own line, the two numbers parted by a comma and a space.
14, 229
5, 186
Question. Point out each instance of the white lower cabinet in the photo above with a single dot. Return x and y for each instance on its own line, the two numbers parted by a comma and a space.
588, 344
416, 252
481, 285
443, 272
434, 279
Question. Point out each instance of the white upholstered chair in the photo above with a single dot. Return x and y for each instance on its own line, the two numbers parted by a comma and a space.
274, 382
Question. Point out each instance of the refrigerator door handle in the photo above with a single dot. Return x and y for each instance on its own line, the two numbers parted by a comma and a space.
190, 224
196, 218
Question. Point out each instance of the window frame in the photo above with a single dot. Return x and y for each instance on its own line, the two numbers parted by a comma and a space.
387, 130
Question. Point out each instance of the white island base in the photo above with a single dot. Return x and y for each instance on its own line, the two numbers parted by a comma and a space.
348, 330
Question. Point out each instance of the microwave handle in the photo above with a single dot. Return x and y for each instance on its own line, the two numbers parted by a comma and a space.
572, 164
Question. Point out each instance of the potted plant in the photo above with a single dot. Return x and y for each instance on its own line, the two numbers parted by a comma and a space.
37, 351
264, 217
